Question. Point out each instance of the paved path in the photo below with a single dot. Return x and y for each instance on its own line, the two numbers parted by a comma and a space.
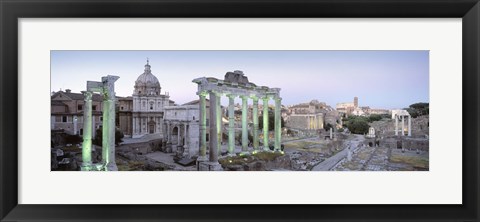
295, 140
329, 163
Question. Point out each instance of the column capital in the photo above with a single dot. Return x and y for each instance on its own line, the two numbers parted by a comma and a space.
202, 93
277, 98
88, 95
231, 95
254, 98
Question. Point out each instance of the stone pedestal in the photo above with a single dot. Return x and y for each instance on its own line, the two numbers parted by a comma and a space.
200, 160
209, 166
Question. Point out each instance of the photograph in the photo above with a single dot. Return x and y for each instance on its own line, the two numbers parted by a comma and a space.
240, 110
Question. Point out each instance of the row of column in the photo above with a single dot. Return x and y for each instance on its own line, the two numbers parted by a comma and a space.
403, 125
216, 124
314, 122
108, 132
107, 90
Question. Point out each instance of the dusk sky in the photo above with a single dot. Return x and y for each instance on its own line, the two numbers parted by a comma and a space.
380, 79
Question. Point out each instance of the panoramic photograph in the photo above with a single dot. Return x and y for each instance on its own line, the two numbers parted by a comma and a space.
239, 110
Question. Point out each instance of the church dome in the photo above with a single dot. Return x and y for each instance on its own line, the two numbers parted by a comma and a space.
147, 83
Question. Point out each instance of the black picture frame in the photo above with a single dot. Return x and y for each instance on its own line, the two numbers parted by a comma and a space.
11, 11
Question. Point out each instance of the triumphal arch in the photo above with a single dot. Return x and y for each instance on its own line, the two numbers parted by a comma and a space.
234, 85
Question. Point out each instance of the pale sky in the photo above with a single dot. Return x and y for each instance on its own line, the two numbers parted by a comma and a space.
380, 79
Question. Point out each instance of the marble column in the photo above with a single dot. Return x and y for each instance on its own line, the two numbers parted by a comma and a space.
255, 123
244, 124
178, 135
94, 127
134, 130
265, 124
396, 125
278, 124
75, 127
108, 132
203, 128
219, 122
87, 132
213, 153
169, 134
403, 125
185, 139
409, 125
231, 125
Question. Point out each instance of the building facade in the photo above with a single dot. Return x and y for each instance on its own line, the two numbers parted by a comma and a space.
307, 116
181, 124
143, 113
67, 112
347, 108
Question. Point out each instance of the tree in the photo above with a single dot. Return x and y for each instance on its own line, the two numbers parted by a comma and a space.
271, 122
358, 126
374, 117
418, 109
98, 137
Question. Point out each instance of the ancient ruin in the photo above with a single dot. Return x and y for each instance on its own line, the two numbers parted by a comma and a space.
400, 115
107, 89
235, 84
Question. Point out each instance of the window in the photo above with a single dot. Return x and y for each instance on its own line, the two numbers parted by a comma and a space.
143, 104
151, 107
101, 118
64, 119
94, 107
139, 92
121, 108
193, 117
80, 107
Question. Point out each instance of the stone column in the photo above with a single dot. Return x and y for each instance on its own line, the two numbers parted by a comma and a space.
213, 154
203, 128
231, 125
178, 134
94, 127
244, 124
185, 140
133, 126
219, 122
265, 123
255, 123
409, 125
403, 125
396, 125
169, 133
87, 132
108, 133
75, 119
278, 124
